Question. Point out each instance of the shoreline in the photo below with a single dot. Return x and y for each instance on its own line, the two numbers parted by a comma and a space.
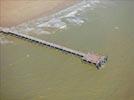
29, 10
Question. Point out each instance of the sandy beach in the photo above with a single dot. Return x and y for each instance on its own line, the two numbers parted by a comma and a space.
14, 12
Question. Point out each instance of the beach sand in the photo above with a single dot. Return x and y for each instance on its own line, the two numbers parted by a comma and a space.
14, 12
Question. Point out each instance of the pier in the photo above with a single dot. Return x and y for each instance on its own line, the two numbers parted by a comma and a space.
90, 57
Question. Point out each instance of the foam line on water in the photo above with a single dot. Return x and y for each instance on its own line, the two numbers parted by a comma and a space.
58, 21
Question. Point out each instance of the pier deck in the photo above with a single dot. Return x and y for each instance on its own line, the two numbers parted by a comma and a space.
90, 57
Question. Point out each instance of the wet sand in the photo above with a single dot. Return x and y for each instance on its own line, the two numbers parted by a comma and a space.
14, 12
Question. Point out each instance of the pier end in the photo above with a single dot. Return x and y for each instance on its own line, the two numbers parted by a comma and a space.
95, 59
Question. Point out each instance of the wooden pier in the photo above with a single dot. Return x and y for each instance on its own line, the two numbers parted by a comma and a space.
90, 57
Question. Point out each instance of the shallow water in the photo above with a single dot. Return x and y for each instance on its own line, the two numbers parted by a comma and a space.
33, 72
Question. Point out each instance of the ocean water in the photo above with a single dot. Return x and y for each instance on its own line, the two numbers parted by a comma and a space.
29, 71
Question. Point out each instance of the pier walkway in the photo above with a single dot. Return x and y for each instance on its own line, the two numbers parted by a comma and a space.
90, 57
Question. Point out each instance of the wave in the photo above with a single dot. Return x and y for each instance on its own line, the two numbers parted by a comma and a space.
58, 21
3, 40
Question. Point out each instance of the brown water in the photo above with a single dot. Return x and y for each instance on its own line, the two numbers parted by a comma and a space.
33, 72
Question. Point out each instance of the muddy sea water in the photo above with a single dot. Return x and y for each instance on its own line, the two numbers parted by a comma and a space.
30, 71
